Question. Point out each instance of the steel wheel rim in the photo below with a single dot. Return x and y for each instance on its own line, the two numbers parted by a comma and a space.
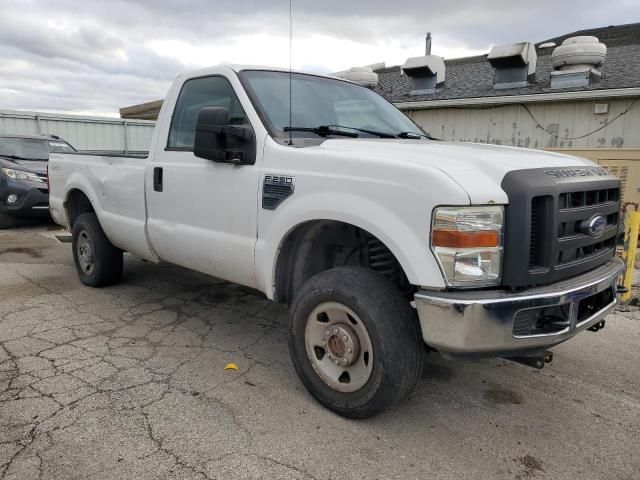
84, 250
339, 347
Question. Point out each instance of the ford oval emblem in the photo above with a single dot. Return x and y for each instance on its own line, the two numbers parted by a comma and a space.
597, 225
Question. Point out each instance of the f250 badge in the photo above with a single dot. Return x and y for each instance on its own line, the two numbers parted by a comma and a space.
276, 179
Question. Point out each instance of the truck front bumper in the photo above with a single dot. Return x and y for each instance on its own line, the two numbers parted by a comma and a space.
501, 323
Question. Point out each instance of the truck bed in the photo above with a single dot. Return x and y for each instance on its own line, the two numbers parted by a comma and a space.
115, 186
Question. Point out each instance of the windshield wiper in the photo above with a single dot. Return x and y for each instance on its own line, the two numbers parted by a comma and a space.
364, 130
410, 135
415, 135
407, 134
322, 130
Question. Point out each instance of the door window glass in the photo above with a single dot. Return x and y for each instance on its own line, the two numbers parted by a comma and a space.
196, 94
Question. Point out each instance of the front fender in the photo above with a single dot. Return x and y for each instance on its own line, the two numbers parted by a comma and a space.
408, 242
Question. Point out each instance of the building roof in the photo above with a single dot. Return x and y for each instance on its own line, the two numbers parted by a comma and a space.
472, 77
142, 111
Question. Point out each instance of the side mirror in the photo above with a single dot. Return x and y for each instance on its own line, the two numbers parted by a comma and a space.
218, 141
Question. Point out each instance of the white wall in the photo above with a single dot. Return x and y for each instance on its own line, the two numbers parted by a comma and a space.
512, 125
84, 133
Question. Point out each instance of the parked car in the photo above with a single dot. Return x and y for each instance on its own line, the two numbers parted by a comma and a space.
23, 175
380, 239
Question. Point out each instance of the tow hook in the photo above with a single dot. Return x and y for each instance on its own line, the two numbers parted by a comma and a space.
534, 362
620, 290
597, 326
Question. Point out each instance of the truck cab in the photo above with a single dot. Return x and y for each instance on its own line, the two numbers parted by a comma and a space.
385, 243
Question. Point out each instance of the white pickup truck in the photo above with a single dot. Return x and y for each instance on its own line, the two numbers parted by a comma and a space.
385, 244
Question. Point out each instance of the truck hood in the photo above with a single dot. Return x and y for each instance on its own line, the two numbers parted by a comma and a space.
477, 168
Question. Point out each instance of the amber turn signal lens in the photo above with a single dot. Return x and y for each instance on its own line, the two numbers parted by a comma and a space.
458, 239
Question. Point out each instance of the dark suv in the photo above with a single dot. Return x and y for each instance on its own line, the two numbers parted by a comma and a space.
23, 175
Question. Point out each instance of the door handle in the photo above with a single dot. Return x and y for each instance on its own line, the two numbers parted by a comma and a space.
157, 179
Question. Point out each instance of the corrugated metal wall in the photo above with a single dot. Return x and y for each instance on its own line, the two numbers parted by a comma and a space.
512, 125
84, 133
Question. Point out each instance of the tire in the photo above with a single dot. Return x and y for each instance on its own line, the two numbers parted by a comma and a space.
358, 298
98, 262
6, 221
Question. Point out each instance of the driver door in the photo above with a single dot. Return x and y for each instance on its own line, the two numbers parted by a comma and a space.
202, 214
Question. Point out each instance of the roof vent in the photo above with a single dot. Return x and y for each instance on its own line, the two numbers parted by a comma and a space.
576, 62
425, 73
515, 64
364, 76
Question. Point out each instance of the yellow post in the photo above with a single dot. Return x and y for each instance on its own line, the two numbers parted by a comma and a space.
632, 229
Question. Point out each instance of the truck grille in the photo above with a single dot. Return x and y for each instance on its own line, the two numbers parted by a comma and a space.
547, 234
574, 209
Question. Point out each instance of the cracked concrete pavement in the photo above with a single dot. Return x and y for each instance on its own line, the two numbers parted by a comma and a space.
129, 382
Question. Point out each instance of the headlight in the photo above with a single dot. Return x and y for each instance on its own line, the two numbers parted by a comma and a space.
22, 175
467, 242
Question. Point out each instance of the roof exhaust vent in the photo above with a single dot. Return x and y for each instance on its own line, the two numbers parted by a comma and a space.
364, 76
425, 73
576, 62
515, 64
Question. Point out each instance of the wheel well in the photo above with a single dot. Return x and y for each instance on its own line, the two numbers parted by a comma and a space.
77, 203
320, 245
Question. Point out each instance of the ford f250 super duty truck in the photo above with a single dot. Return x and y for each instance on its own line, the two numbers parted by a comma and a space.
384, 243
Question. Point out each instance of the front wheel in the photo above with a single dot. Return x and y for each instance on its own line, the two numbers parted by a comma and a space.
355, 341
97, 261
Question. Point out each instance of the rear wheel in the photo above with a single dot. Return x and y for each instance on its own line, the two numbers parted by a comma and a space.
97, 261
355, 341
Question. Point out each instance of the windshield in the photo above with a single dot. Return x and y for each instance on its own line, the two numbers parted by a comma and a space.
319, 101
32, 148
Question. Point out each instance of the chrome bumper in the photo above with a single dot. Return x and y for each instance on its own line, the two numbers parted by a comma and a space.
481, 323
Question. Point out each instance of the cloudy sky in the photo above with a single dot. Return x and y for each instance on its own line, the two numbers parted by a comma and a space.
94, 56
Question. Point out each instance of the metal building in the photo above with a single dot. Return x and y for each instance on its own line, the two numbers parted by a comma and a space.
84, 133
